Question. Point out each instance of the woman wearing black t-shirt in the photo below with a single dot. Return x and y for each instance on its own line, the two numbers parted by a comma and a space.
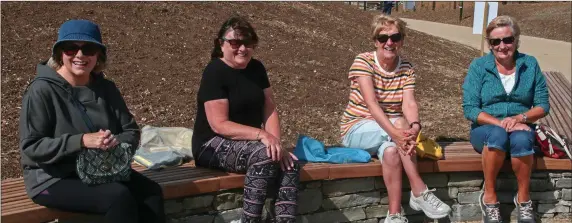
237, 127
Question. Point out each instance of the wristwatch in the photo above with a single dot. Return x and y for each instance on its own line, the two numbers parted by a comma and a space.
413, 123
524, 118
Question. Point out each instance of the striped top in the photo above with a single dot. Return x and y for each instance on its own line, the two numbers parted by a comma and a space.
388, 86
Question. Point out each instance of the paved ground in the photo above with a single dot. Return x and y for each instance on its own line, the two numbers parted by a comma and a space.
552, 55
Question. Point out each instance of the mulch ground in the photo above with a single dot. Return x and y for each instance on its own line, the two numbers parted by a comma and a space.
550, 20
158, 50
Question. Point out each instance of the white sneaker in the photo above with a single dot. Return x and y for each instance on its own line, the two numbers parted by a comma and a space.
395, 218
432, 206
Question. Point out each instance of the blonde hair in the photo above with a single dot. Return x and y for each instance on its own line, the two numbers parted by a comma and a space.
382, 21
505, 21
55, 62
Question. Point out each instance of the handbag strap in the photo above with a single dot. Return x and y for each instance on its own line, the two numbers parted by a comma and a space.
83, 113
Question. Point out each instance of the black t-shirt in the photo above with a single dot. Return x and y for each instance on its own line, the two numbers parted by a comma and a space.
242, 87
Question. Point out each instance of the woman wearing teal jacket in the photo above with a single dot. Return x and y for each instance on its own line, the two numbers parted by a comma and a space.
503, 94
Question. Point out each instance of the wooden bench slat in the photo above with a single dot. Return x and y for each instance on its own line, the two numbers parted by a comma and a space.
545, 163
189, 187
560, 102
34, 214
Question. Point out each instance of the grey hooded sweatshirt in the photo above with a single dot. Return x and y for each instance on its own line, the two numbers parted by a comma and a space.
51, 127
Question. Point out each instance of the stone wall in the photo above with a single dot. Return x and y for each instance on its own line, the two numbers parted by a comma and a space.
365, 200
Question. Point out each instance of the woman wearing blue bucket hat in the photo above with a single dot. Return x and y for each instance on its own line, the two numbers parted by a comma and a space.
62, 110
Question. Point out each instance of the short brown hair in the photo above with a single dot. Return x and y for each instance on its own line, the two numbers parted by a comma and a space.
381, 21
505, 21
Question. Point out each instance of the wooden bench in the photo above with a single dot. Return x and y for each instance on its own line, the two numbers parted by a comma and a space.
187, 180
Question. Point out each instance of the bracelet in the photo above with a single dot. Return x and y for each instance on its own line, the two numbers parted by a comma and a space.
524, 118
258, 134
413, 123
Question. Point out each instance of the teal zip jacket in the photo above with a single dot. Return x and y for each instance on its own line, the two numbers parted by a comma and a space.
484, 92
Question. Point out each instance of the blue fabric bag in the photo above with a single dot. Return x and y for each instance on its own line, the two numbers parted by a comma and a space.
311, 150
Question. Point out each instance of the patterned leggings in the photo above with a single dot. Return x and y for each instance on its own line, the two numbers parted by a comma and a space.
262, 174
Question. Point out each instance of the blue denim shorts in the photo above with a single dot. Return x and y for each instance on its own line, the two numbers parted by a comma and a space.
517, 143
369, 136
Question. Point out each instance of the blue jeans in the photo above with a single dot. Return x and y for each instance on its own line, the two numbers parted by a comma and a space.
517, 143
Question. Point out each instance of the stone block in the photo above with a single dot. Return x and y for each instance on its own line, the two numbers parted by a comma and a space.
314, 184
196, 218
567, 194
443, 194
564, 183
566, 216
407, 210
173, 206
453, 192
372, 220
465, 179
418, 218
551, 208
555, 175
376, 211
434, 179
227, 201
504, 184
506, 197
543, 197
309, 200
198, 202
545, 217
564, 203
466, 212
228, 216
351, 200
336, 188
468, 197
385, 198
469, 189
343, 215
541, 185
567, 174
380, 184
506, 175
539, 175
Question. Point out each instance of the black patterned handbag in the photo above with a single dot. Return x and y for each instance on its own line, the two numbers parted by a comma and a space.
96, 166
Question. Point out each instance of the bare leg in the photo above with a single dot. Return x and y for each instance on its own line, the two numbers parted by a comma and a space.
391, 167
493, 160
522, 167
410, 164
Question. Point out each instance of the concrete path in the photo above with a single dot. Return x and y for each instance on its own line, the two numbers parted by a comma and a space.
552, 55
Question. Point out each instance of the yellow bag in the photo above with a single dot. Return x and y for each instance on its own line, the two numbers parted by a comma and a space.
428, 148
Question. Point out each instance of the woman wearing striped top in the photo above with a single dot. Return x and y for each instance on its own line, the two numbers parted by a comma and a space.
382, 117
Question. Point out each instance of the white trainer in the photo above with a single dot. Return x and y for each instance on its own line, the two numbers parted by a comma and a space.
430, 204
395, 218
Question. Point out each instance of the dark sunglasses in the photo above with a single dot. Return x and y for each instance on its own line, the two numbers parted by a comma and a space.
88, 49
236, 43
394, 38
506, 40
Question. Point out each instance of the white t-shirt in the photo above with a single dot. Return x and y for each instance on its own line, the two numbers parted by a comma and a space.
507, 81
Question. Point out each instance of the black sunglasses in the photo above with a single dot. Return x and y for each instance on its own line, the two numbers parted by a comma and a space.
236, 43
88, 49
394, 38
506, 40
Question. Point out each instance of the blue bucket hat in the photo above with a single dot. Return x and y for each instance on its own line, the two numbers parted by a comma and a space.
79, 30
